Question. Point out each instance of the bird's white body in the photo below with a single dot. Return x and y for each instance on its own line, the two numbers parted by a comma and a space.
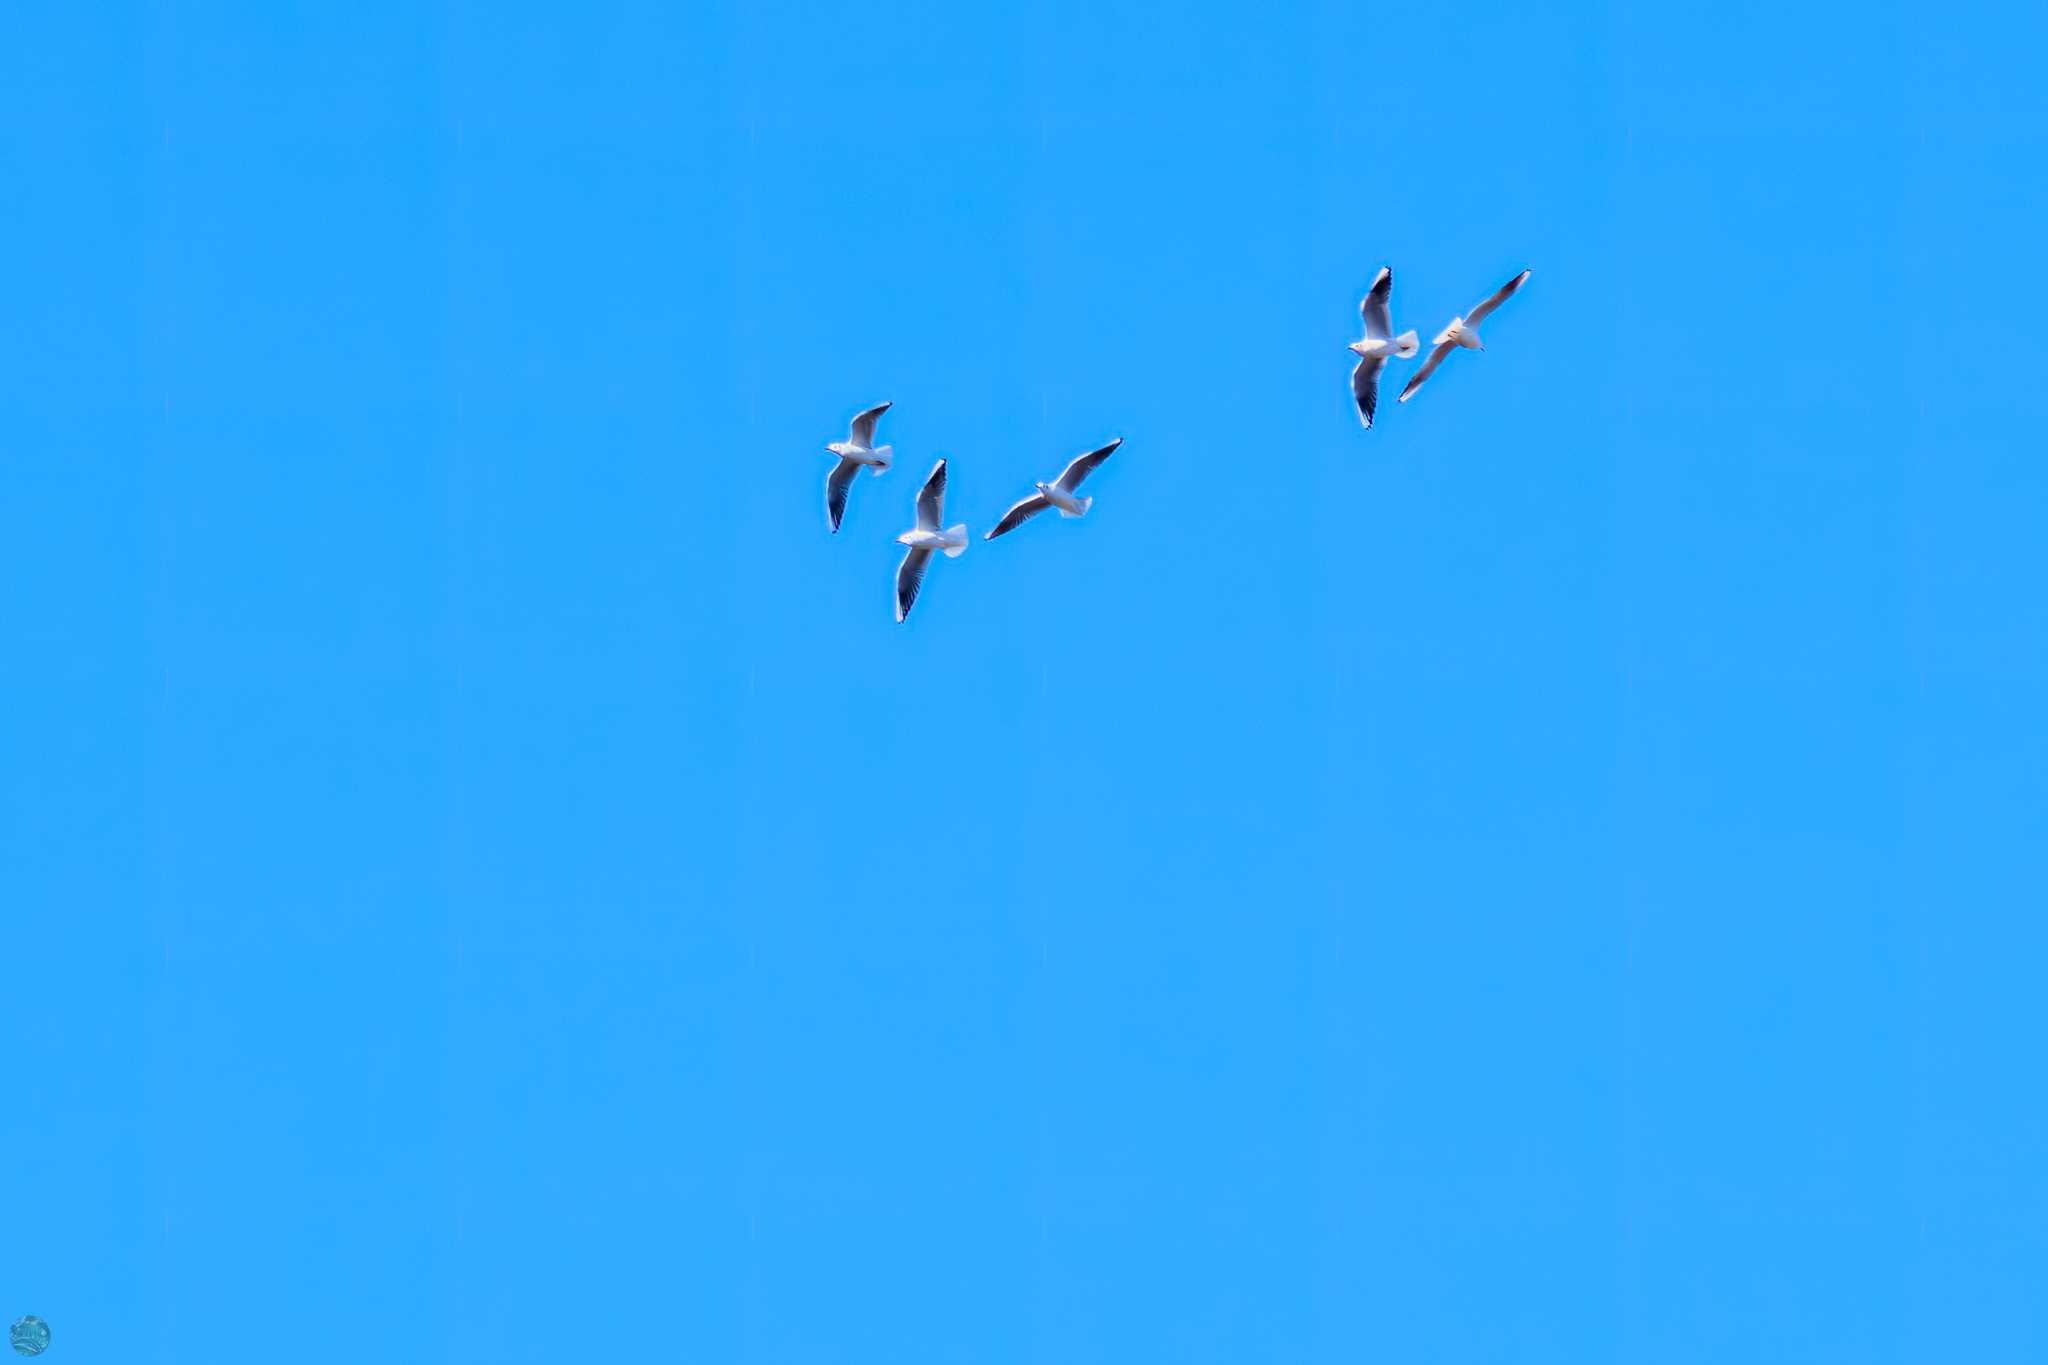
1460, 334
952, 541
1385, 348
876, 458
1066, 503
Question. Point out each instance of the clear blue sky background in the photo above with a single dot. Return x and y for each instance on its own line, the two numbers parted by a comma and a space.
1558, 877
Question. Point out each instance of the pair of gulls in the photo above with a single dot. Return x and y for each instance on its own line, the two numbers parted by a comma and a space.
1381, 345
859, 451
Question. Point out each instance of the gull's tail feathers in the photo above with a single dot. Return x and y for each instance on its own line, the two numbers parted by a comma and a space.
1405, 345
1086, 503
883, 454
955, 551
1449, 333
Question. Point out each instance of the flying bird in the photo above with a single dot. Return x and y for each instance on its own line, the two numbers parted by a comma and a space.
1380, 343
1464, 332
1059, 493
857, 449
925, 537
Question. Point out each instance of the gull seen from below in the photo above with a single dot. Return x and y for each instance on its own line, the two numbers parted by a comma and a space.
926, 537
856, 450
1059, 493
1379, 344
1463, 332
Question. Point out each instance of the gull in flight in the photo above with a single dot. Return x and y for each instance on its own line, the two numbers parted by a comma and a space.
925, 537
1464, 332
857, 449
1380, 343
1059, 493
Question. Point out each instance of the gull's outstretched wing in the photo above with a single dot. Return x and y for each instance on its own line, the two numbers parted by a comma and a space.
1084, 465
836, 484
1372, 310
1436, 358
1018, 515
1500, 296
931, 499
909, 578
862, 431
1365, 387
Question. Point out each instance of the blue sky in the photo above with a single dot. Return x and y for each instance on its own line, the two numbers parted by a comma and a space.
1557, 877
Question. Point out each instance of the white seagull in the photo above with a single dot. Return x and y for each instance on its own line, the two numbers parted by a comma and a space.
1379, 344
1059, 493
857, 449
1464, 332
925, 537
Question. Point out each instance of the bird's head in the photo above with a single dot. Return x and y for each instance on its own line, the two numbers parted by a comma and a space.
1356, 348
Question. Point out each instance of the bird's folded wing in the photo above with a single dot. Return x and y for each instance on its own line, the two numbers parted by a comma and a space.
909, 578
1084, 465
1365, 387
1436, 358
1372, 310
1018, 515
1500, 296
862, 432
836, 484
931, 499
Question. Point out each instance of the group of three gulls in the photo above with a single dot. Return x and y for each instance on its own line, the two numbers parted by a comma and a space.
859, 451
1380, 344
